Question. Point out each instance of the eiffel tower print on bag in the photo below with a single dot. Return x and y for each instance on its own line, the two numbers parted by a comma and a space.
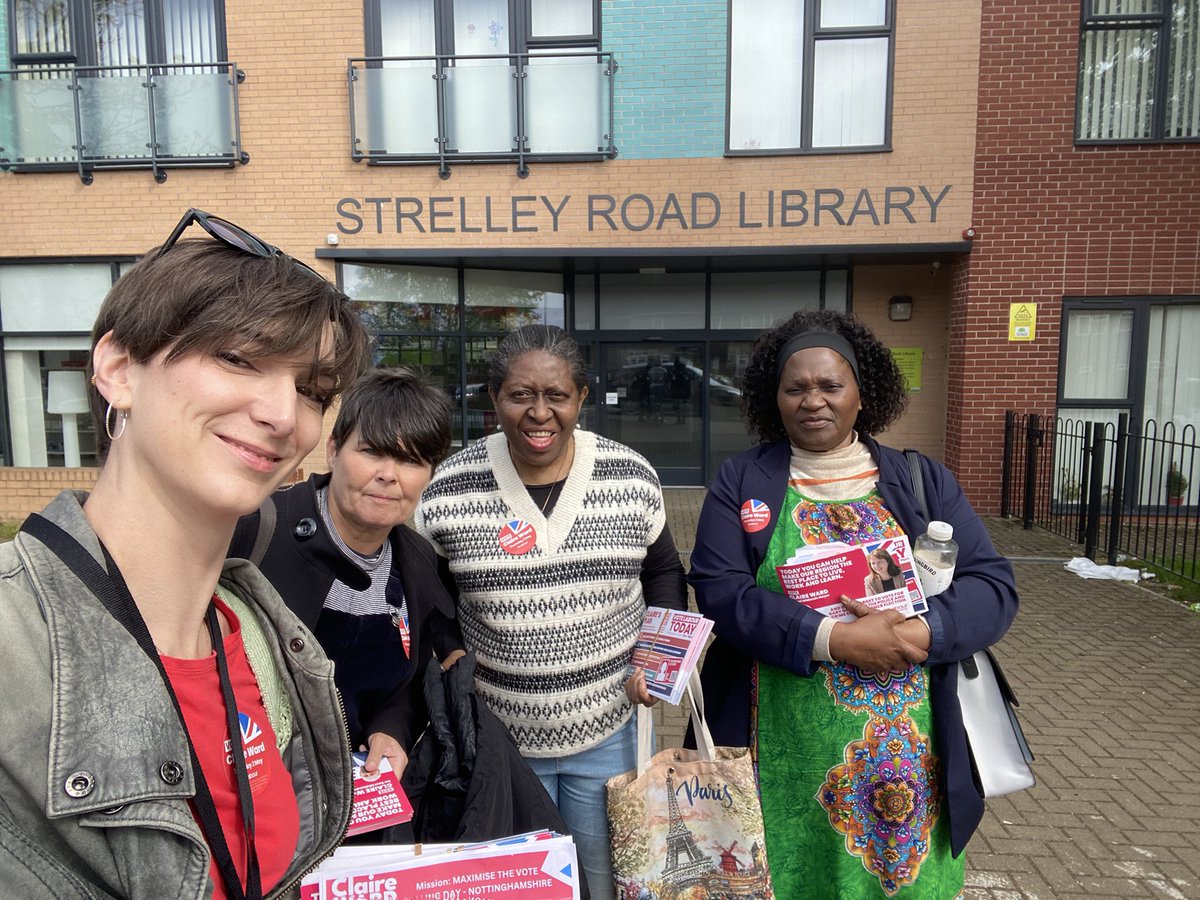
687, 823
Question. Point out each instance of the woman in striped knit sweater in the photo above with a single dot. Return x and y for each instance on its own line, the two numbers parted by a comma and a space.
557, 540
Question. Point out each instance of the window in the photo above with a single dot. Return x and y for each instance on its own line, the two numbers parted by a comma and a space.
1131, 356
761, 299
1139, 71
482, 80
809, 76
652, 302
480, 27
145, 86
447, 322
117, 32
46, 314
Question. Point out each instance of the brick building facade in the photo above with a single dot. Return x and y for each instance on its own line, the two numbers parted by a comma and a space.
726, 185
1106, 225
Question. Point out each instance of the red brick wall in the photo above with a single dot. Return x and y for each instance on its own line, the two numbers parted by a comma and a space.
1054, 220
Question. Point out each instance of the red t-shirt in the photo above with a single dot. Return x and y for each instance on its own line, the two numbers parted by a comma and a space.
276, 816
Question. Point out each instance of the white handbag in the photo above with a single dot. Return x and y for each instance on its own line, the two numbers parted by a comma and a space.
1000, 754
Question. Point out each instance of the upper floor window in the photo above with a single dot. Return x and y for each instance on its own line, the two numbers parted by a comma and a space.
480, 27
118, 84
1139, 71
117, 32
482, 81
809, 75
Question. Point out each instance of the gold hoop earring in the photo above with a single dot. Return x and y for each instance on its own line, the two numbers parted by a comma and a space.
121, 417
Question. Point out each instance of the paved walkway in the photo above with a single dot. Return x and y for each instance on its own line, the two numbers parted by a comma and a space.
1108, 675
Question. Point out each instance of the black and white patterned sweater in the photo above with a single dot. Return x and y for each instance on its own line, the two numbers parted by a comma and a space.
553, 627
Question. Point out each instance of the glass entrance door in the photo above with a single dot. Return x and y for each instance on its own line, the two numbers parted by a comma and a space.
650, 400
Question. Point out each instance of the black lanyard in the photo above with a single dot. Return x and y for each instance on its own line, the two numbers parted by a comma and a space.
112, 591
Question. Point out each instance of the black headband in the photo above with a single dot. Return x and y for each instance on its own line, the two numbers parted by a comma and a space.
817, 338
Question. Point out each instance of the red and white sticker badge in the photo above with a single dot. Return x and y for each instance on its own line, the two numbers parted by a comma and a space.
517, 537
756, 515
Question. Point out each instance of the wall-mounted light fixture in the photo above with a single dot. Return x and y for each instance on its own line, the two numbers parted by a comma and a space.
900, 308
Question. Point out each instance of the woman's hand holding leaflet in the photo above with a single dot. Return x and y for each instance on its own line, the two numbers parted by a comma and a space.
879, 640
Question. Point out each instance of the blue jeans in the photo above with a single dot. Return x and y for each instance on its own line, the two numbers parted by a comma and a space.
576, 785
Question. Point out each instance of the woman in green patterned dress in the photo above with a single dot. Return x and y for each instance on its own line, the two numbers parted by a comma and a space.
866, 778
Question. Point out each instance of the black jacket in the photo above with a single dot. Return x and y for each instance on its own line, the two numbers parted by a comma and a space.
467, 779
471, 782
302, 562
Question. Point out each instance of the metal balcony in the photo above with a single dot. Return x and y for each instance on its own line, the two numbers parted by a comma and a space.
509, 107
154, 117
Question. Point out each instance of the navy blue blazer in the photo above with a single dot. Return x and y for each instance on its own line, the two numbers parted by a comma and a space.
753, 623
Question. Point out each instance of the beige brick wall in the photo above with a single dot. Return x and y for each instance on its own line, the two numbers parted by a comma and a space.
23, 491
923, 425
294, 121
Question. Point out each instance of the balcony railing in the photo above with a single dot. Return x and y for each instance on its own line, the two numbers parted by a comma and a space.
105, 117
446, 109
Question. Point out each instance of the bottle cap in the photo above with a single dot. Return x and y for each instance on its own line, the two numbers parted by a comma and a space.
940, 531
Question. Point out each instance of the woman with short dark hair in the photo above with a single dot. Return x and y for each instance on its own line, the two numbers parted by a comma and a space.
337, 550
864, 771
168, 730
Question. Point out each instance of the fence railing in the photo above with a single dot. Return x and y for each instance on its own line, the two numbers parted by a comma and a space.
1116, 489
97, 117
512, 106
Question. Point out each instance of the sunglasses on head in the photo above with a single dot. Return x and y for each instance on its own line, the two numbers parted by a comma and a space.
231, 236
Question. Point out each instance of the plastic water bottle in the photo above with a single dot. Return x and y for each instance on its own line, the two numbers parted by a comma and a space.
936, 554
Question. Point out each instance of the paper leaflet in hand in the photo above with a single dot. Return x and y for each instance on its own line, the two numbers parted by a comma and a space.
536, 866
379, 801
818, 574
668, 647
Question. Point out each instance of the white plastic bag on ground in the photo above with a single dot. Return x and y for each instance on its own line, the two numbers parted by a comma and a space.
1085, 568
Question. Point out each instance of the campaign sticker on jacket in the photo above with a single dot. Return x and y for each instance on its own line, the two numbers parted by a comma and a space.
756, 515
400, 620
517, 537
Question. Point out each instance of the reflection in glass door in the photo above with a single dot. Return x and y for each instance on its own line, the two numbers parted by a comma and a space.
649, 399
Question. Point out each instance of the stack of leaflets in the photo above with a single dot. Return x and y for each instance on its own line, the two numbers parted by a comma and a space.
379, 801
540, 865
668, 648
880, 574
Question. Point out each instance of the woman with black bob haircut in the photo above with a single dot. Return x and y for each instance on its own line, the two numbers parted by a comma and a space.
169, 729
864, 769
337, 550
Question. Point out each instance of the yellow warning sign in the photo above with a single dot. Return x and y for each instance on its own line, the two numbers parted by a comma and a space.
1022, 321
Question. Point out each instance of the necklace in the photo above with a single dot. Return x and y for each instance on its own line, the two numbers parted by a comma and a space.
566, 458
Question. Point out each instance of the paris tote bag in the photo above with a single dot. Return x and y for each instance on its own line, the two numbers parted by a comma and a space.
688, 822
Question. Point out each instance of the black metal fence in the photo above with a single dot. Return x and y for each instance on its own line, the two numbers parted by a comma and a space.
1114, 489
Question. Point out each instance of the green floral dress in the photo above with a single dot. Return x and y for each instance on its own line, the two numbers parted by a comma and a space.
850, 778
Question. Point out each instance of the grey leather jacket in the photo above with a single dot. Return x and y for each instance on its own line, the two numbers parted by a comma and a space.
94, 766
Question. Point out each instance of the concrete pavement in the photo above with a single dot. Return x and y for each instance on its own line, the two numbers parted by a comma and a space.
1108, 677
